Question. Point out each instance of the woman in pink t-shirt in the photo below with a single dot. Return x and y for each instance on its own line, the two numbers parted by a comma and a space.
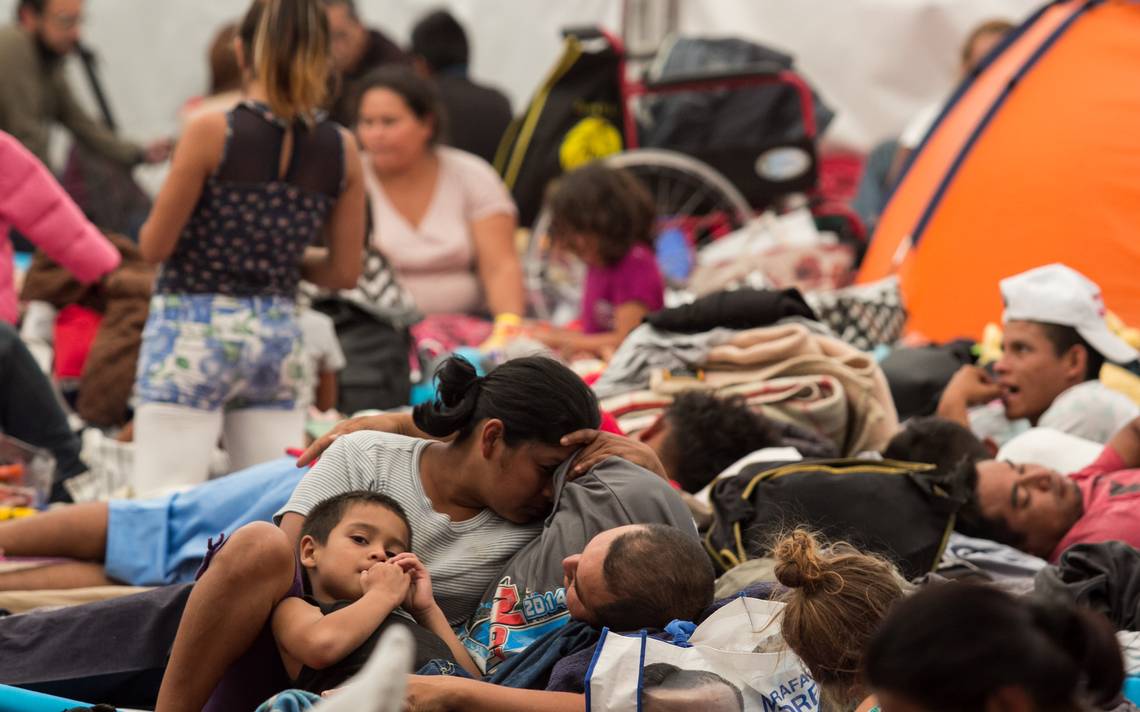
605, 217
440, 216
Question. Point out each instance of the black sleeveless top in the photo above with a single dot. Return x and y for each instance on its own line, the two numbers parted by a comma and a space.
429, 646
250, 228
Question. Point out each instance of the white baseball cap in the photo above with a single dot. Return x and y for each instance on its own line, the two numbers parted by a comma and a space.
1057, 294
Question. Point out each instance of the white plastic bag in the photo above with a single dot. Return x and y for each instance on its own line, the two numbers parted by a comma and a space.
738, 662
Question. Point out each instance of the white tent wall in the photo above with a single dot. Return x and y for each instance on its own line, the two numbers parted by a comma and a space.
876, 61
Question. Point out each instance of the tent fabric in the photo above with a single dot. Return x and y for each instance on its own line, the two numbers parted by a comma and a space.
1034, 160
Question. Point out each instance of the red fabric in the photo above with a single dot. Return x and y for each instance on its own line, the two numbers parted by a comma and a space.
75, 329
610, 424
1111, 495
839, 173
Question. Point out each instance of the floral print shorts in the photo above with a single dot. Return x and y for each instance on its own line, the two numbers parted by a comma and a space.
210, 351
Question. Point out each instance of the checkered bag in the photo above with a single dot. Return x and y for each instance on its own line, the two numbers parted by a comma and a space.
865, 315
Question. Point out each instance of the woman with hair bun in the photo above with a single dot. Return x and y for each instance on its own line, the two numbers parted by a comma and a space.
836, 598
959, 648
472, 501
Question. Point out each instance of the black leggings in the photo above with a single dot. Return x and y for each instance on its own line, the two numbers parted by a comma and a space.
30, 411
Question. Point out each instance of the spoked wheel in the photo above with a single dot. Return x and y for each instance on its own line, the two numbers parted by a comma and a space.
689, 195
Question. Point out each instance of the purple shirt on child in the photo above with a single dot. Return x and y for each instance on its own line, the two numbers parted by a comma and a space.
636, 278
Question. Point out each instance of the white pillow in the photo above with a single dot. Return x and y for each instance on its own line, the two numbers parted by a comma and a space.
1051, 448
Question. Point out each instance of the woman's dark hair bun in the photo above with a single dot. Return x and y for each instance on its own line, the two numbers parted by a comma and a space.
536, 398
457, 394
457, 378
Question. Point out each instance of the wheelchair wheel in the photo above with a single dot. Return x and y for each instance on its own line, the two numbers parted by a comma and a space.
689, 195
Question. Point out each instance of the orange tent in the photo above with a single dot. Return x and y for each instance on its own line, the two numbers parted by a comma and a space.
1035, 159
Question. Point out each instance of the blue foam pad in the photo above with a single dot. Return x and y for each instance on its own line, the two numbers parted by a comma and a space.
15, 699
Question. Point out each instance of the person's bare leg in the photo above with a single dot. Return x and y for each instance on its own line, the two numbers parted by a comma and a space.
66, 574
77, 531
225, 613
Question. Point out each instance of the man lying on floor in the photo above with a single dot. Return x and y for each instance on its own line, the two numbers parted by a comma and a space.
626, 579
1033, 507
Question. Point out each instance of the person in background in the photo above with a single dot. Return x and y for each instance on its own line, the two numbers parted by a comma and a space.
958, 647
356, 51
324, 359
226, 80
34, 91
1054, 344
34, 203
979, 43
885, 162
30, 412
249, 194
477, 115
605, 217
441, 217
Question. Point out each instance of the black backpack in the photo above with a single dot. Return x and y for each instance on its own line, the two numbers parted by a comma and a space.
903, 511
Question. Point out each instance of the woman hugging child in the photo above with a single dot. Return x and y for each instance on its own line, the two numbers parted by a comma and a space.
354, 550
605, 217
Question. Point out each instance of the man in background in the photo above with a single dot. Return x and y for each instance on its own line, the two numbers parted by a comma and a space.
1054, 343
477, 115
356, 51
34, 91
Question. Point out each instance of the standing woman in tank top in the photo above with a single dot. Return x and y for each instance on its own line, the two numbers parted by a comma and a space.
250, 192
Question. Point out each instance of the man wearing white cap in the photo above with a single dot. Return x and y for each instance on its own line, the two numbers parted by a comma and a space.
1054, 345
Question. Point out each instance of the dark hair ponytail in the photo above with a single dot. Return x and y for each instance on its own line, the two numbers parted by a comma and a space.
290, 55
951, 647
536, 398
1089, 641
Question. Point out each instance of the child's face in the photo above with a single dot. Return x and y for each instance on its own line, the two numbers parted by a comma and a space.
365, 535
584, 246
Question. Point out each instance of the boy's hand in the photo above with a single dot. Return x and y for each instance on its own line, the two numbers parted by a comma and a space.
387, 578
419, 599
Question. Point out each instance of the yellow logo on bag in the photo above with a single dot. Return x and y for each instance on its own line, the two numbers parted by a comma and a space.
589, 139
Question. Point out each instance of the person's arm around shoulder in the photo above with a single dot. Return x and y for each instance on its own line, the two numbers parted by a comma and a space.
597, 445
197, 156
421, 604
396, 423
436, 693
36, 205
1126, 443
317, 641
338, 264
